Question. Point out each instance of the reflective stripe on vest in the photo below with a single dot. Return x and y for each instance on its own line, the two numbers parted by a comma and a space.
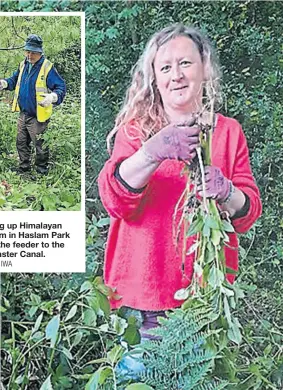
42, 113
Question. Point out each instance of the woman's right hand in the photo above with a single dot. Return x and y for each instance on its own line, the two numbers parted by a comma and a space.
173, 142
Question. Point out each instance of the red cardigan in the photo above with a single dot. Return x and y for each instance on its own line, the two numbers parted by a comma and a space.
141, 260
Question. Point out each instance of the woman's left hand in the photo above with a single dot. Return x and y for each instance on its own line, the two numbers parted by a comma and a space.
217, 186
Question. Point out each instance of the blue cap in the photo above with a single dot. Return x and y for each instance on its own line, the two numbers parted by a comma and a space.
34, 43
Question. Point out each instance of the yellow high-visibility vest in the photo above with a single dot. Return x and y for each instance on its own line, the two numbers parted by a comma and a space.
42, 113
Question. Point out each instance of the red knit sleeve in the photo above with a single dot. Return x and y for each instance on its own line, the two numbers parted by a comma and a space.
243, 179
116, 198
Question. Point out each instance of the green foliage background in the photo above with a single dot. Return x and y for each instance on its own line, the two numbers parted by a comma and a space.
60, 190
248, 38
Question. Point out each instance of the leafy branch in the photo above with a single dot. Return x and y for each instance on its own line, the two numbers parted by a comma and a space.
210, 226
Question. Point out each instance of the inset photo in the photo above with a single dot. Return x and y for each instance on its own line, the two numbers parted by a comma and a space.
40, 108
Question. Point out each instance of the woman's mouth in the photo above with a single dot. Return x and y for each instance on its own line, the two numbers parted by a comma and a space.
179, 88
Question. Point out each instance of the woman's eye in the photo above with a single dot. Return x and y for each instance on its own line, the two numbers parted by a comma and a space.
185, 63
165, 68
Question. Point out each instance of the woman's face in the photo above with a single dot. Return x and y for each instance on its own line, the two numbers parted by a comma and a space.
179, 73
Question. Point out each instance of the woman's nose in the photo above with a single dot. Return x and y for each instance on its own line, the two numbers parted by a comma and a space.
177, 73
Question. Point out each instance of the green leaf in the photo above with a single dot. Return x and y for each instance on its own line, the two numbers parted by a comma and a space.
86, 286
193, 248
211, 222
37, 336
238, 291
2, 309
46, 385
115, 354
96, 361
181, 294
198, 269
227, 291
37, 323
206, 231
231, 271
103, 303
89, 317
77, 338
33, 310
71, 313
92, 300
139, 386
227, 311
118, 324
132, 335
67, 353
6, 302
216, 237
216, 277
98, 378
234, 333
195, 227
103, 222
227, 226
51, 330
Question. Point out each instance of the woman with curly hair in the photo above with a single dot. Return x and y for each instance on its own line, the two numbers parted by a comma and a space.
141, 183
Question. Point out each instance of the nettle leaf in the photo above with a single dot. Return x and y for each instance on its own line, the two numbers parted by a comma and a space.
98, 378
51, 330
46, 385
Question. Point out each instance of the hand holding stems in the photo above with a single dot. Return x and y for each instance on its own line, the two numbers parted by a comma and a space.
217, 186
3, 84
175, 141
49, 98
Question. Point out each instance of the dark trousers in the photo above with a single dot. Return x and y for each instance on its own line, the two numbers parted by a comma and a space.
28, 131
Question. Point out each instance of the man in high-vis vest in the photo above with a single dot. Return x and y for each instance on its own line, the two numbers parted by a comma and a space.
37, 86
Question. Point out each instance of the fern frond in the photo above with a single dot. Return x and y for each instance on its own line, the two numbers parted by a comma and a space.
180, 358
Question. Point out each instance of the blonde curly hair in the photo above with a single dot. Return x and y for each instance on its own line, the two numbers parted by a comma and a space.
143, 102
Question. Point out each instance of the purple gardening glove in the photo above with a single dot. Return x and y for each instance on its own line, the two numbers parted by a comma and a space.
217, 186
175, 141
